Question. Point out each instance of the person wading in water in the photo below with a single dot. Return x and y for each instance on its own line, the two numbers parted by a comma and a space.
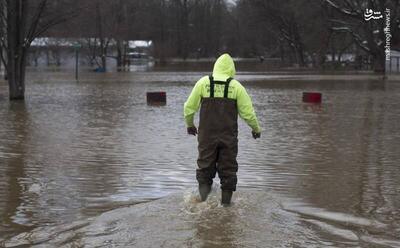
220, 99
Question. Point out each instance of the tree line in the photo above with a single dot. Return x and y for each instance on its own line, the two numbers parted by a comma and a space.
300, 32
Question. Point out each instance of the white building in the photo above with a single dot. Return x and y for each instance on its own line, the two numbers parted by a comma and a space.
393, 65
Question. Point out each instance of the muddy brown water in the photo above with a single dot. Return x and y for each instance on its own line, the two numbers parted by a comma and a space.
90, 164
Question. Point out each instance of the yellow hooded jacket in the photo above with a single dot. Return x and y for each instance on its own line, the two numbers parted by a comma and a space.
224, 68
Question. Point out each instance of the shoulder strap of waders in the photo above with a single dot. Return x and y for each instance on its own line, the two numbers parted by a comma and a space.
226, 90
211, 87
212, 84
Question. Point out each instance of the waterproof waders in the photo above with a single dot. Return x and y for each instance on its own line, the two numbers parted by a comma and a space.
218, 143
220, 99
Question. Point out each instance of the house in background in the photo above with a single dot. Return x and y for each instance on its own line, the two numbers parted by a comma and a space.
393, 65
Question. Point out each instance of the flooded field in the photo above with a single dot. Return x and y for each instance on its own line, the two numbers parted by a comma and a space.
90, 164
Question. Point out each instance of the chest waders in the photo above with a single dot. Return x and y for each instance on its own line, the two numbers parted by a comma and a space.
218, 143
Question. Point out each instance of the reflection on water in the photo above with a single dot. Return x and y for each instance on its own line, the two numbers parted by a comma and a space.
75, 150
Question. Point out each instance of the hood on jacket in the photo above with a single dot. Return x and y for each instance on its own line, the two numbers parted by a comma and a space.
224, 66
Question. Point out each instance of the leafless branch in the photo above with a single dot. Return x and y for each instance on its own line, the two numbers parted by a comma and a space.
52, 22
355, 36
349, 12
35, 20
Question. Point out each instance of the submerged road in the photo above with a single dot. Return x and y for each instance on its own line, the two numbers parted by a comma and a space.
91, 164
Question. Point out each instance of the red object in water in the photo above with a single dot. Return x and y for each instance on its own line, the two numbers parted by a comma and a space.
157, 98
313, 97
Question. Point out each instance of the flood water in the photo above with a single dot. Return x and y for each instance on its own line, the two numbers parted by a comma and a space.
91, 164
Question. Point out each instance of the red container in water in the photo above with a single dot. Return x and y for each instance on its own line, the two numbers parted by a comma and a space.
313, 97
157, 98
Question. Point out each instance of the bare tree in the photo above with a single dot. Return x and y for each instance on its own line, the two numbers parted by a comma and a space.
300, 32
118, 29
368, 35
23, 21
104, 24
275, 16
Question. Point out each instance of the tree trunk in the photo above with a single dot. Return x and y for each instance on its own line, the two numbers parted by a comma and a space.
103, 62
16, 53
300, 56
16, 72
124, 55
103, 45
119, 55
16, 83
103, 55
378, 62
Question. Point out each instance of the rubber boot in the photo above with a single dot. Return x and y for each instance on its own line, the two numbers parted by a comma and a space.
226, 197
204, 190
